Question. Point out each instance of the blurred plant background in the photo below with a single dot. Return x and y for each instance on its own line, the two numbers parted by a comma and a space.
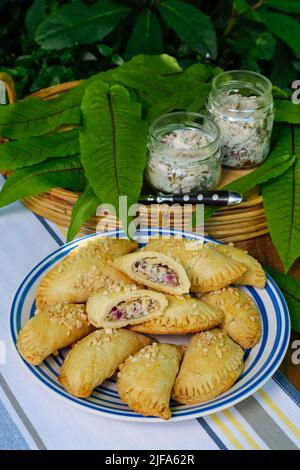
45, 42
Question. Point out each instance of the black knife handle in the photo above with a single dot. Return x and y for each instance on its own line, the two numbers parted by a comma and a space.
208, 198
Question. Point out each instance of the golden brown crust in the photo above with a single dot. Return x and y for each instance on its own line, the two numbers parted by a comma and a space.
207, 268
126, 265
84, 271
241, 316
51, 329
255, 275
145, 380
211, 365
96, 358
100, 306
183, 315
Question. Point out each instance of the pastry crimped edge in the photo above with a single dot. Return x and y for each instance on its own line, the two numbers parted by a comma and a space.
46, 297
125, 263
84, 390
27, 345
223, 379
96, 302
140, 402
201, 396
244, 331
255, 275
190, 322
231, 271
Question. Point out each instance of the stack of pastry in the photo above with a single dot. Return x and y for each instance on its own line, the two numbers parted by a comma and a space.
106, 297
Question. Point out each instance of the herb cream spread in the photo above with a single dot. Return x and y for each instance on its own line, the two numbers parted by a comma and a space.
241, 104
183, 159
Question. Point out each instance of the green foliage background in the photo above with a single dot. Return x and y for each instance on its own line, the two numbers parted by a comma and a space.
44, 42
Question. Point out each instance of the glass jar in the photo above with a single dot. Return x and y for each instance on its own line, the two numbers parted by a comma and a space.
184, 154
241, 103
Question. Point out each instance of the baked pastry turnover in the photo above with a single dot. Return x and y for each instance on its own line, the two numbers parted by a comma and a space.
241, 317
183, 315
84, 271
128, 307
146, 379
254, 276
207, 268
51, 329
96, 358
155, 270
211, 365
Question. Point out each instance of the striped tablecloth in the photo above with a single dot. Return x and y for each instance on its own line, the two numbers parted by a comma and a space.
32, 418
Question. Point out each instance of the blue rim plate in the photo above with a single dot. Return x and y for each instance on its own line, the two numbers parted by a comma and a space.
261, 362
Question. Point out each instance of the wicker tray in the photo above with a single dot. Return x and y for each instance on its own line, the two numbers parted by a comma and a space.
244, 224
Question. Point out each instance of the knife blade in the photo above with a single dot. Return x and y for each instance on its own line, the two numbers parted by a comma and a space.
209, 198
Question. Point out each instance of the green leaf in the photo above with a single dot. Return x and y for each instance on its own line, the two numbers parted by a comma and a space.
34, 15
74, 24
282, 72
191, 91
32, 150
113, 143
280, 93
191, 25
152, 76
105, 50
33, 116
286, 111
284, 27
85, 206
163, 64
190, 100
60, 172
290, 6
146, 36
198, 73
290, 287
240, 6
279, 161
282, 205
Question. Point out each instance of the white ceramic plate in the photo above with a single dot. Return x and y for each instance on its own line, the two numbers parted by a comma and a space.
261, 362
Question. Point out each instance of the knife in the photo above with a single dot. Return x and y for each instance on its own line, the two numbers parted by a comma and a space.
208, 198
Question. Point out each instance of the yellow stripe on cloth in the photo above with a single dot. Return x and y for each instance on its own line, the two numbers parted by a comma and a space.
226, 431
279, 413
232, 418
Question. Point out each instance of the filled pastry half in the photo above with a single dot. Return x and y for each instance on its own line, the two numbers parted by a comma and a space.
96, 358
241, 316
255, 275
119, 309
51, 329
183, 315
211, 365
207, 268
84, 271
146, 379
155, 270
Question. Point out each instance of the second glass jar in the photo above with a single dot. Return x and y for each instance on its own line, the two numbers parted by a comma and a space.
183, 154
241, 103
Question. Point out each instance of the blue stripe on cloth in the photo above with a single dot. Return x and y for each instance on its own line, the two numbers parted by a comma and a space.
50, 230
10, 436
284, 383
211, 434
